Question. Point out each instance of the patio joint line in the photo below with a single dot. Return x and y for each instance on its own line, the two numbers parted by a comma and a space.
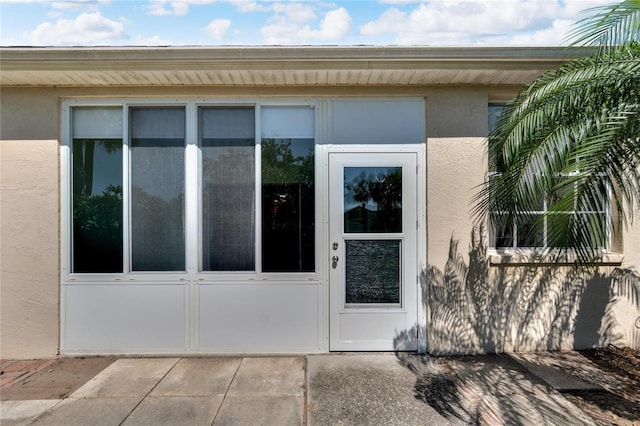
148, 393
227, 391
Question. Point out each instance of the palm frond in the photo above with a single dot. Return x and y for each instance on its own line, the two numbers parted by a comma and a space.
576, 127
609, 27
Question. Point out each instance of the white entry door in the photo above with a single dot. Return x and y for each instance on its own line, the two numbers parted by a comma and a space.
373, 250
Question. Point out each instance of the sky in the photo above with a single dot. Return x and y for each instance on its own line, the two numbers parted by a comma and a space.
284, 22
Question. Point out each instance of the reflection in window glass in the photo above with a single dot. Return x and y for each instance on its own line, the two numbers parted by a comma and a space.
157, 189
97, 205
97, 190
227, 145
372, 271
501, 235
372, 199
288, 220
531, 234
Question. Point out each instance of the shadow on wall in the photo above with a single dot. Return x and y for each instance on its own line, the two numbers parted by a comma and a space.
478, 308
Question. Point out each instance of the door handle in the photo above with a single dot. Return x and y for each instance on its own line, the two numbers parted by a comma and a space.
335, 259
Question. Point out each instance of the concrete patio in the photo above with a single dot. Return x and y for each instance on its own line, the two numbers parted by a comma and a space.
345, 389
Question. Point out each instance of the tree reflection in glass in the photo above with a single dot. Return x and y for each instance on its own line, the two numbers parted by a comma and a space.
288, 203
97, 205
372, 199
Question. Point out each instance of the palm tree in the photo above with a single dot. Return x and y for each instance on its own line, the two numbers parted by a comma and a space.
571, 138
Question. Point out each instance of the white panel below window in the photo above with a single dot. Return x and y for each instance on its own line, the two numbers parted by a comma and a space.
124, 318
360, 330
259, 318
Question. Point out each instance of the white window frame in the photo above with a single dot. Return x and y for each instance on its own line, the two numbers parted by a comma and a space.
545, 244
193, 201
544, 248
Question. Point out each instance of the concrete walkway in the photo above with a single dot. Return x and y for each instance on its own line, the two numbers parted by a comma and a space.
335, 389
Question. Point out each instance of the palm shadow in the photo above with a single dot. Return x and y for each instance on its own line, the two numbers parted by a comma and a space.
523, 306
474, 307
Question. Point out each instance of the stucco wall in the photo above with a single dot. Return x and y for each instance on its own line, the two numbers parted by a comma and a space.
469, 300
29, 256
29, 229
627, 311
474, 305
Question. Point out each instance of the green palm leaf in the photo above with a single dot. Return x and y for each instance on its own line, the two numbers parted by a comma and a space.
609, 27
570, 140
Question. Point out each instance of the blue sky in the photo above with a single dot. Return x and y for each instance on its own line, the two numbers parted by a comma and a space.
247, 22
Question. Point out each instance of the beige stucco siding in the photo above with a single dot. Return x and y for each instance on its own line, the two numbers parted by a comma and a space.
457, 112
455, 169
29, 114
29, 229
30, 264
472, 305
456, 165
628, 312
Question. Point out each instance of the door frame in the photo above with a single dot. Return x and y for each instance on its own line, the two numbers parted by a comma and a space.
421, 231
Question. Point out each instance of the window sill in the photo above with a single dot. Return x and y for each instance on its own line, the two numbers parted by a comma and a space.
529, 257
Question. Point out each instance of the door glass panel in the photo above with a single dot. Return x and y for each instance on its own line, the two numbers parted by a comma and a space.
372, 271
227, 145
372, 199
157, 189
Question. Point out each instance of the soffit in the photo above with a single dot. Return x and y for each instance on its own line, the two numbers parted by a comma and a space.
275, 66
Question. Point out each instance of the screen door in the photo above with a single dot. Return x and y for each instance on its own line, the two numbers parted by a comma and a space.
373, 249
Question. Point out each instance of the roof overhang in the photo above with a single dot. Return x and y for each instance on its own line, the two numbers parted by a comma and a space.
277, 66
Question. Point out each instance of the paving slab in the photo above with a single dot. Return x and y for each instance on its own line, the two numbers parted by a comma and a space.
198, 377
54, 379
83, 412
367, 389
277, 376
566, 371
513, 395
175, 411
127, 378
261, 410
12, 371
18, 413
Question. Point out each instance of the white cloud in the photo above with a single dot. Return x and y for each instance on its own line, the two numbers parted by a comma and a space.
391, 21
474, 22
181, 7
246, 6
218, 28
87, 29
291, 29
400, 1
176, 7
79, 4
296, 12
556, 34
163, 7
151, 41
59, 6
334, 25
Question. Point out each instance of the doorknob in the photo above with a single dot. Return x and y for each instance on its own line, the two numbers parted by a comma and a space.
334, 259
